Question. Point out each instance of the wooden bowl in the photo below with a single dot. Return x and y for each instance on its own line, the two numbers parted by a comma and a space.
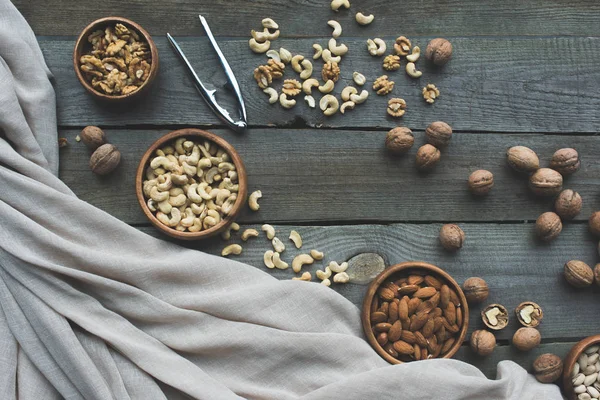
82, 45
400, 270
570, 361
193, 134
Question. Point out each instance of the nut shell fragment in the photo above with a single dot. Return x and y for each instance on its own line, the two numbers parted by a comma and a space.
529, 314
495, 316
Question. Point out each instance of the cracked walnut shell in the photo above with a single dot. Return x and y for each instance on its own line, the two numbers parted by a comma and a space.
391, 62
383, 86
262, 75
495, 316
291, 87
529, 314
402, 46
330, 71
396, 107
430, 93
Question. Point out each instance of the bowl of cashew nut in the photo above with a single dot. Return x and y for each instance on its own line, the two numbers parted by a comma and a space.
191, 184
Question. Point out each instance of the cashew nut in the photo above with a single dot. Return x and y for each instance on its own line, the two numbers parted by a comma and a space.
269, 230
337, 4
232, 249
164, 182
274, 54
269, 24
193, 158
301, 260
189, 169
253, 200
150, 175
163, 162
308, 84
278, 245
337, 268
316, 254
225, 167
296, 238
179, 145
173, 221
526, 313
327, 87
307, 69
201, 189
211, 175
491, 315
310, 101
348, 90
318, 51
338, 50
296, 63
151, 205
249, 233
342, 277
326, 282
189, 218
414, 56
376, 47
364, 19
411, 70
329, 105
158, 196
268, 259
226, 235
361, 98
285, 103
147, 185
197, 209
285, 55
259, 47
337, 28
197, 226
178, 201
228, 204
263, 36
322, 275
272, 95
347, 104
304, 277
222, 195
328, 57
278, 262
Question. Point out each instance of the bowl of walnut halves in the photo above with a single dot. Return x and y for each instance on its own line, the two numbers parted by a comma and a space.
115, 59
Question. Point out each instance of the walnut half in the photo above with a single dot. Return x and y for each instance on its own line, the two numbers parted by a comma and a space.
382, 85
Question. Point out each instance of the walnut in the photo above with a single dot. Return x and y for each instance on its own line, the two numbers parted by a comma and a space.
430, 93
529, 314
526, 339
399, 140
93, 137
594, 224
438, 134
452, 237
565, 161
262, 75
495, 316
382, 85
396, 107
129, 89
276, 67
481, 182
568, 204
402, 46
522, 159
110, 63
483, 342
331, 71
391, 63
427, 157
547, 368
439, 51
105, 159
578, 274
291, 87
546, 182
114, 47
548, 226
476, 290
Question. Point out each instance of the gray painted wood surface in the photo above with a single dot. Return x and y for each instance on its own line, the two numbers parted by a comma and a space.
537, 84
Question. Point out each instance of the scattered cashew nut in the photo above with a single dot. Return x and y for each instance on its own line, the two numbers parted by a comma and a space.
329, 105
337, 4
326, 282
364, 19
269, 230
307, 69
306, 276
361, 98
328, 57
359, 78
278, 262
347, 104
296, 238
348, 90
232, 249
278, 245
269, 24
414, 56
338, 50
249, 233
342, 277
322, 275
285, 55
376, 47
273, 95
337, 268
226, 235
253, 200
411, 70
337, 28
308, 84
285, 102
274, 54
327, 87
316, 254
259, 47
173, 221
318, 51
310, 101
296, 63
301, 260
268, 259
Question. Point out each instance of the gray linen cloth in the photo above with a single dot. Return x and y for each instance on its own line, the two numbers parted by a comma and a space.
91, 308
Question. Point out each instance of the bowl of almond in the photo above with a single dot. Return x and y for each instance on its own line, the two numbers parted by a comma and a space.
414, 311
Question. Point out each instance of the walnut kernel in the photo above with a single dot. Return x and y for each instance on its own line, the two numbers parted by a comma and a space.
402, 46
382, 85
396, 107
291, 87
263, 76
529, 314
399, 140
430, 93
391, 62
452, 237
330, 71
277, 68
495, 316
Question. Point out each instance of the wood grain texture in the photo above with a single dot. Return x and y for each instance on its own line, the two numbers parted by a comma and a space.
347, 176
516, 267
427, 17
492, 84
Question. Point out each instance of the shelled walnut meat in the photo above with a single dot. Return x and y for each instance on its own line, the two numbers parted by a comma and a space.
416, 316
118, 62
191, 186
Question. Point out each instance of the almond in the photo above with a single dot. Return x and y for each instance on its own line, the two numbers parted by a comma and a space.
425, 307
432, 345
449, 327
435, 299
447, 345
378, 317
417, 321
393, 312
382, 338
431, 281
382, 327
408, 289
425, 293
454, 298
389, 348
417, 352
428, 327
421, 341
386, 294
437, 312
395, 331
415, 280
408, 337
450, 313
444, 296
405, 324
403, 309
440, 334
424, 354
459, 316
385, 306
403, 348
412, 305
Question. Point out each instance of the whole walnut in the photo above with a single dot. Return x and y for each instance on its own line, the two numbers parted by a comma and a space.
578, 274
566, 161
452, 237
105, 159
522, 159
597, 274
438, 133
427, 157
483, 342
399, 140
546, 182
568, 204
439, 51
594, 224
481, 182
526, 339
476, 290
93, 137
548, 226
547, 368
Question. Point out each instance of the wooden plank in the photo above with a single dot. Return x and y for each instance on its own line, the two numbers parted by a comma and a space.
427, 17
516, 267
499, 85
312, 175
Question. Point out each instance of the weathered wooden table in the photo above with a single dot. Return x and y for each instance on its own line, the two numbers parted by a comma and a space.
523, 73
